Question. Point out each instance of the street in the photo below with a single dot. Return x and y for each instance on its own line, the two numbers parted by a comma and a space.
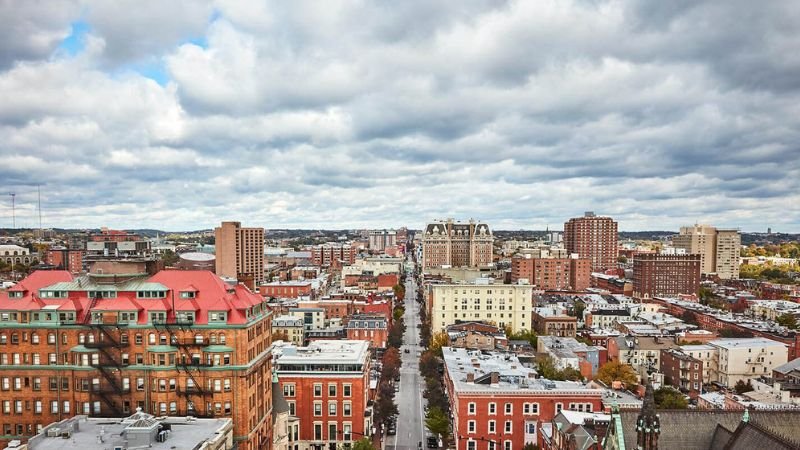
410, 421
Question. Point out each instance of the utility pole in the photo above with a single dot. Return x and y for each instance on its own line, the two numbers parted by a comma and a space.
13, 211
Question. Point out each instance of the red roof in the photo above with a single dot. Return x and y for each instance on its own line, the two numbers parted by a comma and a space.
211, 294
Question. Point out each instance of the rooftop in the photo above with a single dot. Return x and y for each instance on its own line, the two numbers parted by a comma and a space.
511, 376
746, 343
94, 433
322, 352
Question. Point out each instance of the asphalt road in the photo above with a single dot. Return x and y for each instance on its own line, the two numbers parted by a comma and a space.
410, 421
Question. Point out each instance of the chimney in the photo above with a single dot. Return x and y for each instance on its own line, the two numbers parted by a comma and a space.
495, 377
470, 377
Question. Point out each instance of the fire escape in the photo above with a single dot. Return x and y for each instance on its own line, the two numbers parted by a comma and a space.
191, 365
110, 363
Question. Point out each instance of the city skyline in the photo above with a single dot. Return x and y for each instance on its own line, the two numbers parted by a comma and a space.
521, 114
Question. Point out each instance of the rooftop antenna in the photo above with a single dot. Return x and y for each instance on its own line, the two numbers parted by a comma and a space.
13, 210
39, 196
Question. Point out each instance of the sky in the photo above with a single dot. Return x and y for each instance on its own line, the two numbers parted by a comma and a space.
347, 114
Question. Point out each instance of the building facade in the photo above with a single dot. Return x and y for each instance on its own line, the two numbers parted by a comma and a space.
368, 327
681, 370
742, 359
552, 273
718, 249
501, 305
551, 321
380, 240
498, 404
240, 253
665, 275
327, 387
291, 327
457, 244
176, 343
594, 238
325, 255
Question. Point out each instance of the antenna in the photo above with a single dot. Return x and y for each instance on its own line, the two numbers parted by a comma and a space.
13, 210
39, 195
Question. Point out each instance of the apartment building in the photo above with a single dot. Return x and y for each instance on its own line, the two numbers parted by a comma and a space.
499, 404
552, 273
457, 244
554, 321
240, 253
327, 387
742, 359
718, 249
594, 238
501, 305
368, 327
643, 354
708, 356
105, 344
326, 255
665, 275
380, 240
681, 370
290, 326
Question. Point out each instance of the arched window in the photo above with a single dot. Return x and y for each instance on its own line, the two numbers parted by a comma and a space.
222, 338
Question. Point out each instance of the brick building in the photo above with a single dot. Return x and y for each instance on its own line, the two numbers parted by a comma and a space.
176, 343
554, 322
325, 255
327, 387
594, 238
552, 273
65, 259
457, 244
368, 327
655, 275
285, 289
498, 404
240, 253
681, 370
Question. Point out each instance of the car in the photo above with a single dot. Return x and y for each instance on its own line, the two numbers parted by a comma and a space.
406, 351
433, 442
397, 388
391, 431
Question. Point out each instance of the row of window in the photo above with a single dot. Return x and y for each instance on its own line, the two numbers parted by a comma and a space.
289, 390
152, 338
333, 408
527, 408
333, 432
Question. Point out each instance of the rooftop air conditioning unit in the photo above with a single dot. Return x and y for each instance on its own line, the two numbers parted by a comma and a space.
53, 432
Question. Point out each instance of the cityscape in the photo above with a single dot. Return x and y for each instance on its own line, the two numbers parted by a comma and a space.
360, 225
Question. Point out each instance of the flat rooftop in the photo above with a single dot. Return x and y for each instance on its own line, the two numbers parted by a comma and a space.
746, 342
513, 377
323, 352
85, 431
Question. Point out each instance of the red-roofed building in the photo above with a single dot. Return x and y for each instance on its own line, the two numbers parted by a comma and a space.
175, 343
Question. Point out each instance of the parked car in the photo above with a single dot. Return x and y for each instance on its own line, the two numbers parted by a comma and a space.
433, 442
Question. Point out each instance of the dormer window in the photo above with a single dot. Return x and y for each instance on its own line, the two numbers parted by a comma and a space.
16, 294
188, 294
216, 317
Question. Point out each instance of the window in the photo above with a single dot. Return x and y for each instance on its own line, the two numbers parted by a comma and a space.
288, 390
34, 338
318, 390
470, 445
492, 408
471, 408
317, 409
347, 409
508, 427
471, 426
346, 389
331, 390
492, 426
318, 431
331, 408
559, 407
51, 338
509, 408
507, 445
54, 407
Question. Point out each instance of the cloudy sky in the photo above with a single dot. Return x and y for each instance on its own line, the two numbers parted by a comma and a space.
179, 114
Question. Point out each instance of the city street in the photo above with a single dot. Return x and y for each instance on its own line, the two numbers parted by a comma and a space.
410, 422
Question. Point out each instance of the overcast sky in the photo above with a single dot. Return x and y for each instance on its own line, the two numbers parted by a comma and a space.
180, 114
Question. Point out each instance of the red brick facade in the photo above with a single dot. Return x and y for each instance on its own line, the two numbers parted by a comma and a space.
594, 238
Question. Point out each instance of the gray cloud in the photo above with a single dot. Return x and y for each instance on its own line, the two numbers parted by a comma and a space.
311, 114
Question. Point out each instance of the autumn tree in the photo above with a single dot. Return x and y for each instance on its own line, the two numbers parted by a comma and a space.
668, 397
391, 364
616, 371
439, 340
429, 365
363, 444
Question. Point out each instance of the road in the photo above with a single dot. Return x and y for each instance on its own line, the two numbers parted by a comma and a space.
410, 421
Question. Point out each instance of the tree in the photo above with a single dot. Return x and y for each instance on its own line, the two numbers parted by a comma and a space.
396, 331
705, 294
547, 368
435, 394
398, 313
429, 365
741, 387
391, 364
616, 371
623, 259
399, 291
787, 320
689, 317
169, 257
385, 408
439, 340
668, 397
279, 335
437, 422
363, 444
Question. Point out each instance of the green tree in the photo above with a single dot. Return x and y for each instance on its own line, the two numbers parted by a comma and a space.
429, 365
704, 294
616, 371
668, 397
435, 394
169, 258
398, 313
623, 259
437, 422
741, 387
787, 320
363, 444
689, 317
